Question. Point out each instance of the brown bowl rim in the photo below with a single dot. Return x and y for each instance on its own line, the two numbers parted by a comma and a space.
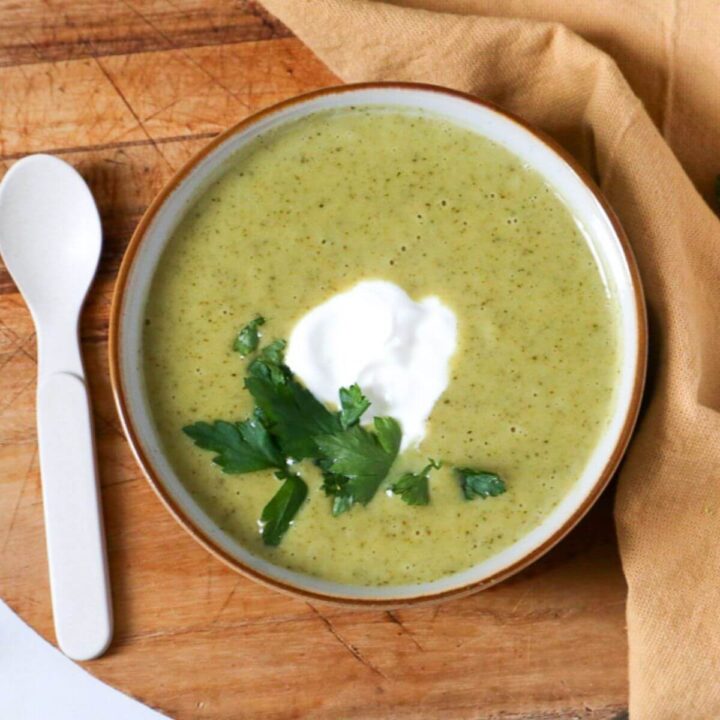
186, 522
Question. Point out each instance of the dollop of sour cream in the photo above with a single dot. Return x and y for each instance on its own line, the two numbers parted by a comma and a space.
398, 351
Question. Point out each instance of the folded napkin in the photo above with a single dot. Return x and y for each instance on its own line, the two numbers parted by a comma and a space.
632, 89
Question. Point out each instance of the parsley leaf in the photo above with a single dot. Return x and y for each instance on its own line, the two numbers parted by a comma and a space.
274, 353
278, 514
414, 488
269, 364
296, 417
479, 483
389, 434
293, 414
248, 338
362, 457
353, 404
241, 447
335, 486
332, 483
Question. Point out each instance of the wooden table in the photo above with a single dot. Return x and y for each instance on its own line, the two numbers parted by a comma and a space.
127, 91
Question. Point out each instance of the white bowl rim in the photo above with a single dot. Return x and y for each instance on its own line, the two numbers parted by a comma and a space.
191, 180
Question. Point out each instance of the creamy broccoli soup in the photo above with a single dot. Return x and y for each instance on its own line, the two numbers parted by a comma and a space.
307, 212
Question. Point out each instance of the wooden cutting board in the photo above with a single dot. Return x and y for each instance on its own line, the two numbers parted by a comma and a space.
127, 91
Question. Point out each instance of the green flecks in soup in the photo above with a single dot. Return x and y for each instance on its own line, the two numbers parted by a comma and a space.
311, 209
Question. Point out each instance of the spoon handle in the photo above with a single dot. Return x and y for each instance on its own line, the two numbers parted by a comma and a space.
77, 561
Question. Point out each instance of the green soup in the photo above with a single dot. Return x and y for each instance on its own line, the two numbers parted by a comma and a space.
309, 210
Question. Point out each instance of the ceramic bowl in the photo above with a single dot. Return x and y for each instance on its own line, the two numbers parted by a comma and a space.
569, 181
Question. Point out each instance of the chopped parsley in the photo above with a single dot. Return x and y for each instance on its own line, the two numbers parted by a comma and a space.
294, 415
353, 404
278, 514
479, 483
414, 488
290, 424
358, 460
269, 364
248, 338
241, 447
334, 487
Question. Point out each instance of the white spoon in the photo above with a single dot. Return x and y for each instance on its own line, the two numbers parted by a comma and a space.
50, 241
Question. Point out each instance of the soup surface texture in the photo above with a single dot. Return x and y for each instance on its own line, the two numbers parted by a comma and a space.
310, 209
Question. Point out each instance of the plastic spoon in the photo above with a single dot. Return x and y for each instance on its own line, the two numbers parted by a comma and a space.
50, 241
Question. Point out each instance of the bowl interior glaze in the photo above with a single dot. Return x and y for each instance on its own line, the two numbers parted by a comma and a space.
604, 236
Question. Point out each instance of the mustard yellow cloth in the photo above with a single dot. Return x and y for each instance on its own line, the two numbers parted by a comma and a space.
632, 89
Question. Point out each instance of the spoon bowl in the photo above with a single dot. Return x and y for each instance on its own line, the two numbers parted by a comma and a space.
50, 235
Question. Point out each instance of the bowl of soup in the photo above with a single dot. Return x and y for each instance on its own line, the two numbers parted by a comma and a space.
379, 344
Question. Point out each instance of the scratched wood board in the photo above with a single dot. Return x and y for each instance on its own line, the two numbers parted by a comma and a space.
126, 92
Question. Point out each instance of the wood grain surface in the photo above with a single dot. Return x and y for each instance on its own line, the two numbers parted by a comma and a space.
127, 91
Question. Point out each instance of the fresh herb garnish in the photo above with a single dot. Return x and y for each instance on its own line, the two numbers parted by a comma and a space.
353, 404
269, 365
414, 488
361, 457
289, 424
295, 416
479, 483
334, 486
272, 354
248, 338
278, 514
241, 447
